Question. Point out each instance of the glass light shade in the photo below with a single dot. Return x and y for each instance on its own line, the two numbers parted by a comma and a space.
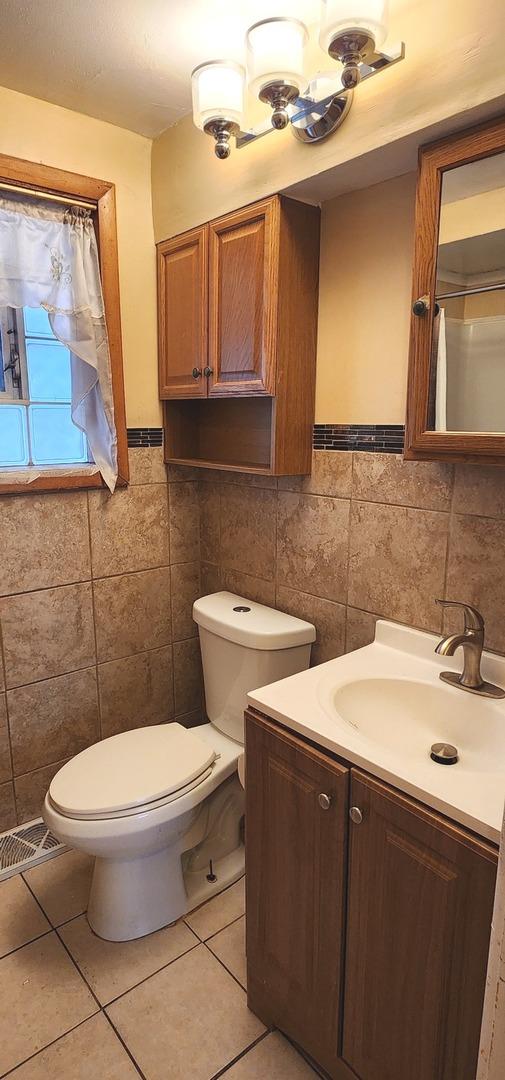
218, 92
325, 83
343, 16
275, 51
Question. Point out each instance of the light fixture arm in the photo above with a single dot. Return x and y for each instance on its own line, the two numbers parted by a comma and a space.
309, 119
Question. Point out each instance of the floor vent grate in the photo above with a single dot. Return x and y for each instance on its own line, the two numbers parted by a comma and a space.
26, 846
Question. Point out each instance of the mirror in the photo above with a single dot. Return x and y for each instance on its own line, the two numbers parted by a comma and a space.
468, 354
456, 392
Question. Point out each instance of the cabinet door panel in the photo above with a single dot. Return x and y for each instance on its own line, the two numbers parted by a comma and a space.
182, 308
243, 300
295, 853
419, 915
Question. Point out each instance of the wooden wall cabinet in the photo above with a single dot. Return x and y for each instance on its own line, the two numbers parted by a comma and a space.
182, 314
367, 942
237, 339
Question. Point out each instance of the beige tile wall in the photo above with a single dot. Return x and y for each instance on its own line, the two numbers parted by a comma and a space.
95, 620
365, 535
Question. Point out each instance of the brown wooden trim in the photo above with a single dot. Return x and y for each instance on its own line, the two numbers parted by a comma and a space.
59, 181
198, 463
434, 159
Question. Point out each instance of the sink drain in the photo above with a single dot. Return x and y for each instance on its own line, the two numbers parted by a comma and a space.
444, 753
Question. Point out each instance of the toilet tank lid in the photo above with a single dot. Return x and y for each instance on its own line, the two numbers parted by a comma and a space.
253, 625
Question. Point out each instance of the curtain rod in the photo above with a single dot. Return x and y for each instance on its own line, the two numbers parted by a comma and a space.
65, 199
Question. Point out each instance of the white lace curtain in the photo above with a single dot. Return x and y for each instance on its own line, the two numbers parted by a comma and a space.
49, 259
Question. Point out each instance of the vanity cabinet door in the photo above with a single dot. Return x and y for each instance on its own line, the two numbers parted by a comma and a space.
182, 314
243, 294
419, 916
296, 825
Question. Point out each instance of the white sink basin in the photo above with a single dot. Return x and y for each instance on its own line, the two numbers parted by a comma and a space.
382, 708
408, 717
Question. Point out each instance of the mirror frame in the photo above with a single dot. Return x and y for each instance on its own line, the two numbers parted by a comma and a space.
435, 159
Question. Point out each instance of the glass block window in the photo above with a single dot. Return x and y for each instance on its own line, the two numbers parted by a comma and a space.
36, 426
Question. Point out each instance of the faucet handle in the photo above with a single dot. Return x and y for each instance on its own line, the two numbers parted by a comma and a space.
473, 618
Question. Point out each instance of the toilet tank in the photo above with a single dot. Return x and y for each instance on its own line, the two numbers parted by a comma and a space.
245, 645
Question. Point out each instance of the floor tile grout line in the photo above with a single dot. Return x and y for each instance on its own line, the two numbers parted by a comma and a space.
239, 1057
146, 978
205, 902
79, 972
223, 928
227, 969
31, 941
101, 1008
42, 1049
157, 971
124, 1045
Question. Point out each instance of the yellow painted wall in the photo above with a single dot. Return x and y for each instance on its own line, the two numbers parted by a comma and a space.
39, 131
367, 240
452, 65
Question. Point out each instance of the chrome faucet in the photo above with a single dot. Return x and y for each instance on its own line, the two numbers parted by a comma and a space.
472, 643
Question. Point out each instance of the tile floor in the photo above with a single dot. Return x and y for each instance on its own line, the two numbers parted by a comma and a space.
171, 1006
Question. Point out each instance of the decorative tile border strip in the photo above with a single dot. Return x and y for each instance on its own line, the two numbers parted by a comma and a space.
379, 438
149, 436
25, 846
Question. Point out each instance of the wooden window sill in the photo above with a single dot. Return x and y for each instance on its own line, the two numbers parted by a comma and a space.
54, 478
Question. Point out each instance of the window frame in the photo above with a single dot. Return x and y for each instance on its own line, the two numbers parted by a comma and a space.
29, 174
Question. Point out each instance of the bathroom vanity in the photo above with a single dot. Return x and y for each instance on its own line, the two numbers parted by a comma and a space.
369, 910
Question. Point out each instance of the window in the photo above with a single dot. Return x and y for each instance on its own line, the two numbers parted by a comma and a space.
36, 426
37, 435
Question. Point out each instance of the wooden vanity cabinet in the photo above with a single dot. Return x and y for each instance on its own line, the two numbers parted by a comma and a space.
237, 326
295, 875
367, 941
420, 902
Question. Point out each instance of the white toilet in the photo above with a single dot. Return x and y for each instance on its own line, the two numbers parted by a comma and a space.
162, 807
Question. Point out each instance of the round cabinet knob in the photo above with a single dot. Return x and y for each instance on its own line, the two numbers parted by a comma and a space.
196, 373
355, 815
208, 371
420, 306
324, 801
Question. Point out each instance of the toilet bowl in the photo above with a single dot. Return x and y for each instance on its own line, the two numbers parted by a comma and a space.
161, 808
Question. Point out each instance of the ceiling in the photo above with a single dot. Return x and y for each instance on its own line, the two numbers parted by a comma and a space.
125, 61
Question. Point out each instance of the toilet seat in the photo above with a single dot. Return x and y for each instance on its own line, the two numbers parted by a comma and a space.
131, 772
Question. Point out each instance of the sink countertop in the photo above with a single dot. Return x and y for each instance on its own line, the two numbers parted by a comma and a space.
473, 797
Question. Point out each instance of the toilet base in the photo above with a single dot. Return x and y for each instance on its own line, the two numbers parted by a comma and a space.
130, 898
226, 870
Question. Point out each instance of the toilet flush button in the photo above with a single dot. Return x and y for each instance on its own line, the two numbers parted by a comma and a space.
241, 607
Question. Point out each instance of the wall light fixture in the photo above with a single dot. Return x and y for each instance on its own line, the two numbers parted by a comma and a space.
352, 32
